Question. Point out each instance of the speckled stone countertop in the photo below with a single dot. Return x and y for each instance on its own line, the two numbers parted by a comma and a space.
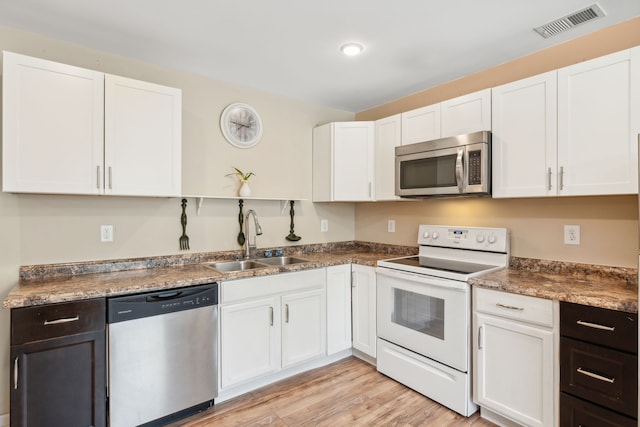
53, 283
606, 287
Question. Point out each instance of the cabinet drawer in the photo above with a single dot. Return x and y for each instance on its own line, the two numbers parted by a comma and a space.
513, 306
55, 320
575, 412
600, 375
610, 328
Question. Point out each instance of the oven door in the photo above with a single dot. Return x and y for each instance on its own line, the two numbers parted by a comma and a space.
437, 172
425, 314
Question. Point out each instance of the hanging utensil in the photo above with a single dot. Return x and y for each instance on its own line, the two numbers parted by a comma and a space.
184, 239
241, 238
292, 236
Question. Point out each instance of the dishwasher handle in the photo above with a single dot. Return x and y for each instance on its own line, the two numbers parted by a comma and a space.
163, 296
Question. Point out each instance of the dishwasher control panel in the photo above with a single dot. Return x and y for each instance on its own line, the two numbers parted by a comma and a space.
137, 306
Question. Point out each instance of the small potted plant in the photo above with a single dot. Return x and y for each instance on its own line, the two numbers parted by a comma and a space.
245, 190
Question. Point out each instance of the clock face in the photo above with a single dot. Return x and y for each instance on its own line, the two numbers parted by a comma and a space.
241, 125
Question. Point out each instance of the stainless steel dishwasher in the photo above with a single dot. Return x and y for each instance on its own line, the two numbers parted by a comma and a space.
162, 355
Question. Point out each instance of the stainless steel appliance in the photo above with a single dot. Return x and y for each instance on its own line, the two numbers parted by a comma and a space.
423, 310
162, 355
454, 166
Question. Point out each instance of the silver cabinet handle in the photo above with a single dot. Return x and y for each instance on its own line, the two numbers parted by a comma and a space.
509, 307
110, 179
98, 177
596, 326
596, 376
561, 178
271, 315
370, 190
15, 373
549, 179
58, 321
286, 313
353, 279
480, 338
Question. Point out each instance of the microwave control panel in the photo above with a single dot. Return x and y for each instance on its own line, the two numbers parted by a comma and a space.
475, 167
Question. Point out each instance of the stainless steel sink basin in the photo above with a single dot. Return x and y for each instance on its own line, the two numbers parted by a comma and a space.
229, 266
281, 260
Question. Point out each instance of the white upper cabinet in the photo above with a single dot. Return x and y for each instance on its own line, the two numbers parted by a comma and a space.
53, 120
598, 125
524, 140
569, 132
142, 138
69, 130
343, 162
421, 124
388, 136
466, 114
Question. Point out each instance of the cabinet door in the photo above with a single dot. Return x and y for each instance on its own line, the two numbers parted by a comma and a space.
303, 326
388, 137
353, 161
524, 140
338, 308
52, 127
465, 114
421, 124
363, 295
249, 340
513, 370
598, 125
142, 138
59, 381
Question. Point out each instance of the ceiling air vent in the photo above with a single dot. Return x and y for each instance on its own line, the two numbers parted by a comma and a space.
566, 23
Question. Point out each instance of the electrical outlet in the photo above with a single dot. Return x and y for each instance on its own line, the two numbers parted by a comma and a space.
106, 233
324, 225
571, 234
391, 226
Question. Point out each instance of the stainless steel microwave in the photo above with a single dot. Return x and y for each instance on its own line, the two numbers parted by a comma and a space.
454, 166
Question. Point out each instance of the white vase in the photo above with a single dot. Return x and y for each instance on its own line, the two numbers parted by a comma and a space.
245, 190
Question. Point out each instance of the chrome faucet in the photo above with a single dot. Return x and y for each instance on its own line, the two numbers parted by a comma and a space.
247, 242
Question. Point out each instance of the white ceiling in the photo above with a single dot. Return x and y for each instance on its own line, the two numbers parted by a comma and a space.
291, 47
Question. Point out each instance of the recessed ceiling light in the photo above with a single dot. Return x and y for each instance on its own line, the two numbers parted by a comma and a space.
351, 49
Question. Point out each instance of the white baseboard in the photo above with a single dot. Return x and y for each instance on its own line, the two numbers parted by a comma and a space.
4, 420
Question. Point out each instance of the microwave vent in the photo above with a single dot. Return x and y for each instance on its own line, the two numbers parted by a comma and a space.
568, 22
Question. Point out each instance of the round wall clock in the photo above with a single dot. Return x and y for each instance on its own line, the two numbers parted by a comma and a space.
241, 125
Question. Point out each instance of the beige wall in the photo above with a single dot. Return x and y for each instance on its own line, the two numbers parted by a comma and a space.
609, 225
37, 229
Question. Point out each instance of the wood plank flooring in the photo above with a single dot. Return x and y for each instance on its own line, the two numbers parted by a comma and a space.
349, 392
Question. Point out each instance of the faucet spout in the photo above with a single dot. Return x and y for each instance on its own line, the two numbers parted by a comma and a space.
258, 231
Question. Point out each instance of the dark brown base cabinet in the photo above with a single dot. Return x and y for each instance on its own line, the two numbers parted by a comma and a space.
58, 365
598, 367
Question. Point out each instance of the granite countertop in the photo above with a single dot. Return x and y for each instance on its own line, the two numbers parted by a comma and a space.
54, 283
605, 287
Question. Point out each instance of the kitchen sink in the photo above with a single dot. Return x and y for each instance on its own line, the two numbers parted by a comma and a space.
281, 260
229, 266
250, 264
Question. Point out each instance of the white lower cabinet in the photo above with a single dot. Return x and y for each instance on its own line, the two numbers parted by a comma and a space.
363, 307
338, 308
269, 323
515, 358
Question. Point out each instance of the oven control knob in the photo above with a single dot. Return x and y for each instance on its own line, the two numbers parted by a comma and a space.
492, 239
435, 235
480, 238
426, 234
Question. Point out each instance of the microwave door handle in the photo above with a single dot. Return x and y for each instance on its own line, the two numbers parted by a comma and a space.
459, 170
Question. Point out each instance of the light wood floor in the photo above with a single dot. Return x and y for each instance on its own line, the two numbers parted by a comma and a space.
349, 392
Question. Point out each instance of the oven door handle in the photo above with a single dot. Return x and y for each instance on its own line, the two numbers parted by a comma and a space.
422, 279
460, 170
